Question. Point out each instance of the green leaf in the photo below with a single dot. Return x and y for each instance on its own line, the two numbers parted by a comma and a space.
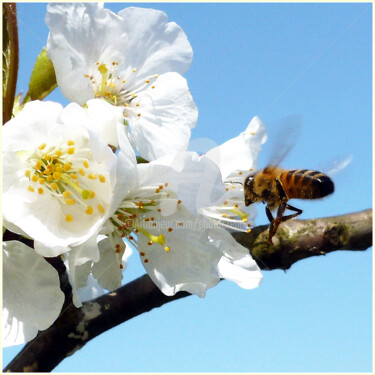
43, 78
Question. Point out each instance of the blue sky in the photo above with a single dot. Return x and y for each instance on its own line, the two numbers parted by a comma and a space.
275, 61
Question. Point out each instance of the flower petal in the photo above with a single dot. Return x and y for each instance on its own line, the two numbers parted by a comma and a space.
190, 261
108, 271
105, 117
240, 153
236, 264
32, 299
196, 181
81, 34
164, 45
163, 117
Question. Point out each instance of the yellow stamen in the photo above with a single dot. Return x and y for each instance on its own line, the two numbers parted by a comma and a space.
54, 186
69, 218
89, 210
66, 194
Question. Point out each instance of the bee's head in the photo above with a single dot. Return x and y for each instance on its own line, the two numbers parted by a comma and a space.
248, 186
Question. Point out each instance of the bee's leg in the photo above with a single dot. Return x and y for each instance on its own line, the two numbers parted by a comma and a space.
269, 214
275, 222
280, 212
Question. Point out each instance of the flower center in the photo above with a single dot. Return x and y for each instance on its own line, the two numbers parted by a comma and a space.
141, 215
65, 174
231, 212
119, 89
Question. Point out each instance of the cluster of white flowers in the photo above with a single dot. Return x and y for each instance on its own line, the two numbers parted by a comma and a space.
71, 181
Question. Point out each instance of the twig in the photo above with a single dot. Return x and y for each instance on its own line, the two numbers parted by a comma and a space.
295, 240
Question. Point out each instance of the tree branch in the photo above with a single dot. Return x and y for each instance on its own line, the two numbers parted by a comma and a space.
295, 240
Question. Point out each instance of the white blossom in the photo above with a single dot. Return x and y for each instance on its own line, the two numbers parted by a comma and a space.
32, 299
132, 60
58, 176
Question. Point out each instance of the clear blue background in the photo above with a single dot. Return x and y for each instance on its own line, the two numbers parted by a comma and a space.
270, 60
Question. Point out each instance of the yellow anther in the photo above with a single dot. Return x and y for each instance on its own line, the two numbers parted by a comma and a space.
27, 173
252, 133
69, 218
42, 146
54, 186
49, 178
137, 105
40, 190
38, 165
134, 70
30, 188
133, 95
58, 168
41, 180
34, 178
166, 249
224, 215
147, 81
71, 150
81, 172
153, 86
58, 153
67, 167
92, 176
101, 178
92, 195
89, 210
57, 175
47, 157
70, 201
85, 164
73, 176
138, 114
100, 208
66, 194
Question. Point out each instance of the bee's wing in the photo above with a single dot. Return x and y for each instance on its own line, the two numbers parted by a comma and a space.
334, 167
286, 137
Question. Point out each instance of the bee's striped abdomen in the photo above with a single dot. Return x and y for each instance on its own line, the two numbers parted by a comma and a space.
306, 184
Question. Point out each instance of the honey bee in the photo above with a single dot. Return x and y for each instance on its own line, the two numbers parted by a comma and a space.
276, 186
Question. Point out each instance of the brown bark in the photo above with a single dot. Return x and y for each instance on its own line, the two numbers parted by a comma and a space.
295, 240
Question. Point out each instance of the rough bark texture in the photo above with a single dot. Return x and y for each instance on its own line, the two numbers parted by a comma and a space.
295, 240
